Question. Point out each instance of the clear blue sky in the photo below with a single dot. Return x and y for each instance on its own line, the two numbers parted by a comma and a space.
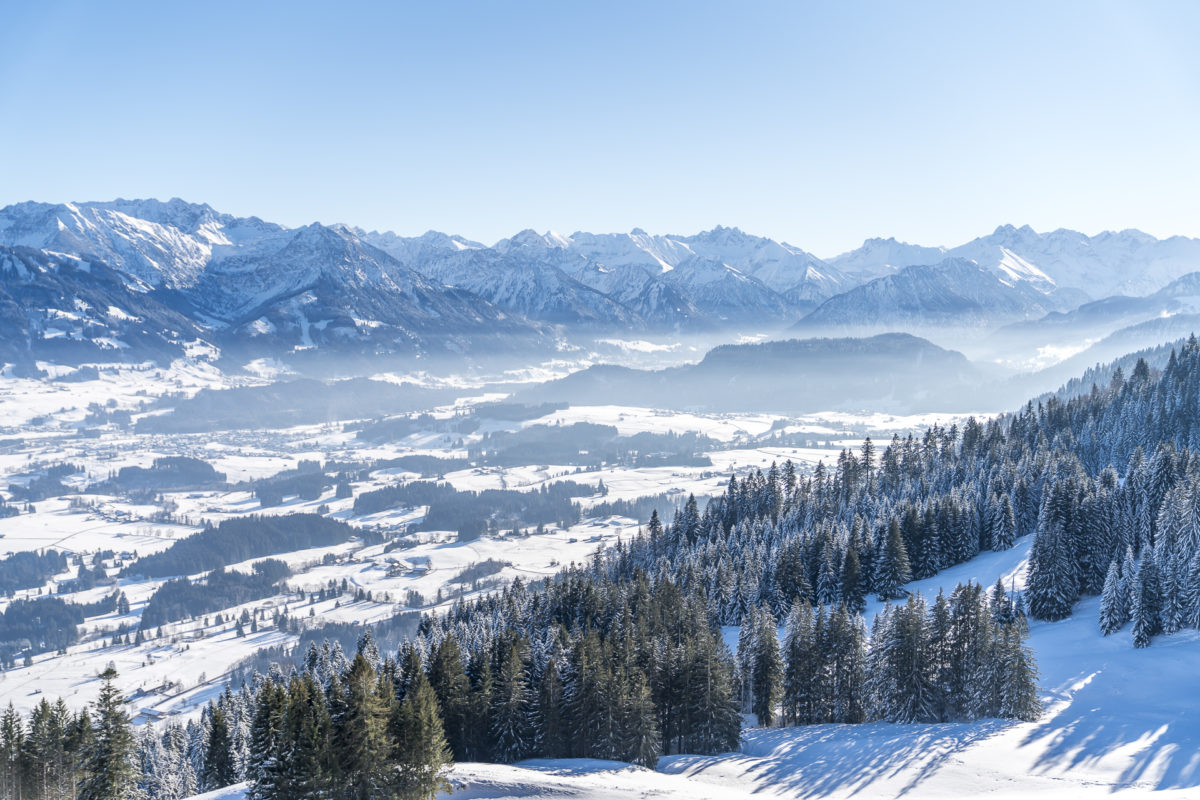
817, 123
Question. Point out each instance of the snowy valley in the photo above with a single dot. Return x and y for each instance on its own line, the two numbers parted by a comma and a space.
609, 464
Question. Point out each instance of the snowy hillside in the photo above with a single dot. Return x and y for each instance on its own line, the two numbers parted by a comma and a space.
1117, 722
954, 293
1131, 323
1123, 262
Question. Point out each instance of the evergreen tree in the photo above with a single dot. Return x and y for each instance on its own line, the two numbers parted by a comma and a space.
1191, 593
1170, 584
1052, 587
1002, 608
845, 657
892, 569
305, 739
1003, 524
111, 771
1017, 674
12, 735
712, 723
363, 746
1114, 606
218, 755
511, 713
941, 653
479, 724
903, 680
639, 739
265, 765
767, 677
422, 753
447, 674
852, 589
828, 583
747, 654
1146, 602
552, 733
802, 664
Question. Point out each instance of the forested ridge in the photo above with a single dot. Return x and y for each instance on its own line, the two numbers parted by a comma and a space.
624, 656
241, 539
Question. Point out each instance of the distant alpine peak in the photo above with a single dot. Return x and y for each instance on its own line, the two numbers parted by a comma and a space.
876, 242
532, 239
723, 232
1012, 230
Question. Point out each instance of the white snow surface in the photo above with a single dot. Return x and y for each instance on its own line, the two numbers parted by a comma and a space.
1118, 721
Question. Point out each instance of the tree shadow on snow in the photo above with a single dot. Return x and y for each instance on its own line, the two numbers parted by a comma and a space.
819, 760
1107, 713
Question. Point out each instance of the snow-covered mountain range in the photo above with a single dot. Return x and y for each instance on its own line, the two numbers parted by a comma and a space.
955, 292
256, 284
1124, 262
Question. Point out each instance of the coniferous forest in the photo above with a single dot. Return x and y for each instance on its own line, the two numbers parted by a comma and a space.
626, 657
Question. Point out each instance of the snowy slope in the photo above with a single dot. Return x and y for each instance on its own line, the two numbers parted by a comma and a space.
778, 265
878, 257
1126, 262
1116, 720
1170, 309
63, 308
645, 292
258, 285
726, 292
158, 243
724, 272
1123, 262
955, 292
533, 288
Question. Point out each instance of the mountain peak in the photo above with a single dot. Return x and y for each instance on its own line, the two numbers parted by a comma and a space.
1009, 231
724, 234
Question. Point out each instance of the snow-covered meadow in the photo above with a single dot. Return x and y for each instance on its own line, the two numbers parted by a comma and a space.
1117, 721
45, 422
1120, 719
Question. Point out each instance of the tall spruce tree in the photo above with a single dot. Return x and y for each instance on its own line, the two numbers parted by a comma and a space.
305, 736
12, 735
219, 768
904, 688
363, 746
552, 735
892, 569
802, 665
1114, 602
513, 734
1003, 524
767, 676
1053, 585
448, 675
1146, 601
422, 754
1017, 674
265, 766
111, 771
